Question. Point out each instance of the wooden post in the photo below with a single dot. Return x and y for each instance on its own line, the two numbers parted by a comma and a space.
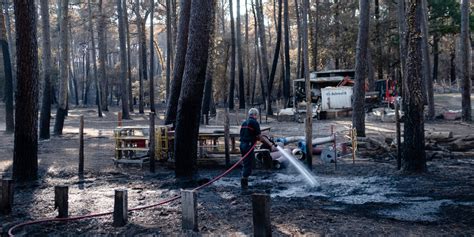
6, 200
119, 119
61, 200
354, 143
189, 210
309, 141
120, 208
226, 135
152, 142
261, 215
399, 142
81, 146
335, 147
4, 230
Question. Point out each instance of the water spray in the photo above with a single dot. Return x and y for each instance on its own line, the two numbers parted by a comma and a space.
294, 161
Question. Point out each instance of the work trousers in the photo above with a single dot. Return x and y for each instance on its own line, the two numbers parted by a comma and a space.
247, 163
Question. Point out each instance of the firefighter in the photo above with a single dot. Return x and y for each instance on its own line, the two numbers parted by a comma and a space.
249, 135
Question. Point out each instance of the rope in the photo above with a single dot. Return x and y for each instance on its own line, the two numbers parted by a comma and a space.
10, 231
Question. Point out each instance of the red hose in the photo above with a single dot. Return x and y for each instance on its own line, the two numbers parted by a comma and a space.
10, 231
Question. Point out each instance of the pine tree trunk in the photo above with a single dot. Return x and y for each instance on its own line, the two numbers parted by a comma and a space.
87, 77
169, 48
174, 28
232, 57
452, 68
298, 27
7, 65
427, 79
465, 50
25, 160
11, 42
152, 60
93, 49
402, 31
179, 62
74, 86
314, 41
413, 156
263, 50
63, 68
358, 113
257, 59
378, 42
247, 54
271, 79
257, 55
370, 71
309, 109
311, 36
240, 65
189, 107
102, 44
129, 55
225, 59
72, 70
207, 99
436, 52
337, 33
141, 56
123, 61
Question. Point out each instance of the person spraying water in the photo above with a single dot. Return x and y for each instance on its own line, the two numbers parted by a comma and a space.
249, 134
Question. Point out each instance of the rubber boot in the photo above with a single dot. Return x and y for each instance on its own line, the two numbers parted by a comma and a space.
244, 183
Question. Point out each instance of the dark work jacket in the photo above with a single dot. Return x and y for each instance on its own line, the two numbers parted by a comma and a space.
249, 130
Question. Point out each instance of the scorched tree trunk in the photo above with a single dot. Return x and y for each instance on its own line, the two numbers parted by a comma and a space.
25, 161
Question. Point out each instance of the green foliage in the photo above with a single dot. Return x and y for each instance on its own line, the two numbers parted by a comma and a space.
445, 17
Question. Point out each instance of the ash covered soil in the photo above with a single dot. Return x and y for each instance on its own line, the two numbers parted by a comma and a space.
369, 197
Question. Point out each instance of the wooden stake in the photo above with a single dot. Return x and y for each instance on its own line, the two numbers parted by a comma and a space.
119, 119
399, 142
335, 147
189, 210
81, 146
354, 143
226, 135
120, 208
61, 200
152, 142
261, 215
6, 198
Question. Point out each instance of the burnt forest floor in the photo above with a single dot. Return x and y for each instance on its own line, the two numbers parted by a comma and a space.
369, 197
